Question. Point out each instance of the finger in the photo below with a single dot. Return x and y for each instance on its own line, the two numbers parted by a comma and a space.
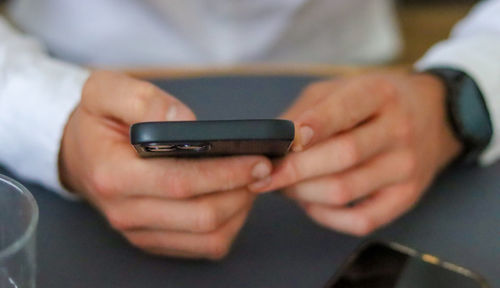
372, 213
343, 188
199, 215
214, 245
171, 253
128, 100
346, 108
330, 156
124, 174
311, 95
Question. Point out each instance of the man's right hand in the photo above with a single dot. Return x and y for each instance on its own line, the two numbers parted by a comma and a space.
178, 207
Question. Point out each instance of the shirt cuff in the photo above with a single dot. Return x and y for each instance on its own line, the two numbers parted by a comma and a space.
72, 87
478, 56
37, 102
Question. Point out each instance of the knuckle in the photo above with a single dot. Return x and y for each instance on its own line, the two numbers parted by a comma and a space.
405, 130
408, 164
176, 186
92, 84
413, 193
145, 90
217, 247
138, 241
363, 225
229, 175
351, 153
207, 219
293, 170
383, 87
413, 188
118, 220
102, 184
144, 97
341, 194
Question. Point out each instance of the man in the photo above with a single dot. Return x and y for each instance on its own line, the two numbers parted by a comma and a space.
375, 140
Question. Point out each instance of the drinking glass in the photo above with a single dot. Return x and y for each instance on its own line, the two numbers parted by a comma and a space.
18, 221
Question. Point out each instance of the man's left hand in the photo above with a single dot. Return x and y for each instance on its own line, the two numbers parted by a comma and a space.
366, 149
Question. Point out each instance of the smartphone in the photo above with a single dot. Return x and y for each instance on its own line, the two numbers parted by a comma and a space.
378, 264
271, 138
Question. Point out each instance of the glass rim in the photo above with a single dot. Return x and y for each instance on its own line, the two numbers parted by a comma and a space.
21, 241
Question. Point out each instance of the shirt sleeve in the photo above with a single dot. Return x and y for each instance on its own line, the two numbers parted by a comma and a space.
37, 95
474, 48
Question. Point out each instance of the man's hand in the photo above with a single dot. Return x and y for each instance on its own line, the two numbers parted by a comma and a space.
367, 148
178, 207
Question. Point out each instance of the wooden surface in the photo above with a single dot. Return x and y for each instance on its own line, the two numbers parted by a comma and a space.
424, 24
240, 70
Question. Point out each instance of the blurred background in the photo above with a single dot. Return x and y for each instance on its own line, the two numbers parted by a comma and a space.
425, 22
422, 22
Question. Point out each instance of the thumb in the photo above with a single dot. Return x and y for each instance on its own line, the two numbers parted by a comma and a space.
117, 96
343, 109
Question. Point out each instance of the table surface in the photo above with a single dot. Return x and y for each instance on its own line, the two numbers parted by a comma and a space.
457, 220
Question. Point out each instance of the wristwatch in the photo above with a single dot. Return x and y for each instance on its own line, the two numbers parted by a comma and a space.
467, 112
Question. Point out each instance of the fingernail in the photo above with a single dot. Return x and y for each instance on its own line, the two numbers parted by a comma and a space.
261, 170
171, 113
306, 134
257, 186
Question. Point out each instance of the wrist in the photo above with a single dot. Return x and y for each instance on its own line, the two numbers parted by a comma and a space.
449, 146
63, 169
467, 112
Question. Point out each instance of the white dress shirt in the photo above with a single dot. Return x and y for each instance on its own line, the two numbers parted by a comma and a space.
38, 93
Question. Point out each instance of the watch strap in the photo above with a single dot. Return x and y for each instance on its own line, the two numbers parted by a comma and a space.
467, 112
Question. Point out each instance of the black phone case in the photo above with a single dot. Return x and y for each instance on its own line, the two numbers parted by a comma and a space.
272, 138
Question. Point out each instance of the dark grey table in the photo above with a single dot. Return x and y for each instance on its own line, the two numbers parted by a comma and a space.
458, 219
